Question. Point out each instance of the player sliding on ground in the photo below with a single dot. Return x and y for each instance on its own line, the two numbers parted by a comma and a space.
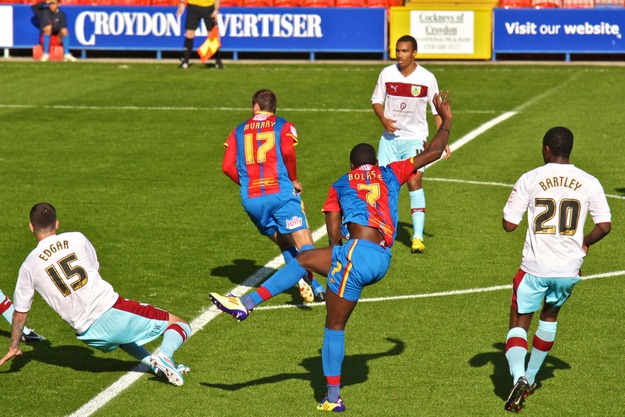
365, 201
65, 271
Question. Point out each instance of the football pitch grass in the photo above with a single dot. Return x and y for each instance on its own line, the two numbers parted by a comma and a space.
130, 155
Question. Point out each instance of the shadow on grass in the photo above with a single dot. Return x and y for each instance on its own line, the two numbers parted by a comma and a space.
241, 269
355, 368
404, 234
502, 381
620, 190
79, 358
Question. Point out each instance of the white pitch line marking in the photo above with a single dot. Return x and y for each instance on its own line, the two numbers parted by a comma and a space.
497, 184
435, 294
194, 109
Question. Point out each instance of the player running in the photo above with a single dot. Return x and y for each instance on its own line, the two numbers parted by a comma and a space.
557, 198
365, 201
260, 158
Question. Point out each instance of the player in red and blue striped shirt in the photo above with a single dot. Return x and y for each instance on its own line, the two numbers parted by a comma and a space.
365, 201
260, 157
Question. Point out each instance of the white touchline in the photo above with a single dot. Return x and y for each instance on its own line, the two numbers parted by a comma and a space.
498, 184
434, 294
194, 109
209, 314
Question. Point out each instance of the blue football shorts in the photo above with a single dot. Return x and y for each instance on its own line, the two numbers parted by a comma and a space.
529, 291
355, 265
281, 212
392, 150
127, 321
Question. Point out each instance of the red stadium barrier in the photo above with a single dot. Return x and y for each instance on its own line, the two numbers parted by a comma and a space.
318, 3
287, 3
257, 3
350, 3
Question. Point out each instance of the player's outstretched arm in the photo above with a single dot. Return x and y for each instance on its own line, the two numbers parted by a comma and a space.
442, 103
17, 328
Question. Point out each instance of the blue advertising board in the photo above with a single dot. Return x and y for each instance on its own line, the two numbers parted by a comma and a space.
241, 29
558, 31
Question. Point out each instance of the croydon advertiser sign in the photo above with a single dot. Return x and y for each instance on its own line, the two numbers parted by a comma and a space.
241, 29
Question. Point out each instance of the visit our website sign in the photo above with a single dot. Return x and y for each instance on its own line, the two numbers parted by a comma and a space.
559, 30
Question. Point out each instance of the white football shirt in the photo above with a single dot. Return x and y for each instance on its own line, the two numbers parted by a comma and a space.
557, 198
64, 270
405, 100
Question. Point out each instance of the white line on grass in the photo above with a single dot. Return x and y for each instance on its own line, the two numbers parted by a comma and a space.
124, 382
435, 294
194, 109
498, 184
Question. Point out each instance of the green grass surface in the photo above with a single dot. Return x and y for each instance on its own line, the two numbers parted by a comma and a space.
130, 154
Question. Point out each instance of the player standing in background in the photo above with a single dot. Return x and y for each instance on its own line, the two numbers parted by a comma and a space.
260, 158
197, 10
6, 309
400, 100
557, 197
365, 201
64, 270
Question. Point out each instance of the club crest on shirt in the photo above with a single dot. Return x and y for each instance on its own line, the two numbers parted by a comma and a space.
416, 90
294, 222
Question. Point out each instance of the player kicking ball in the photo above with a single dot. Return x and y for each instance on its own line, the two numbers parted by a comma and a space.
365, 201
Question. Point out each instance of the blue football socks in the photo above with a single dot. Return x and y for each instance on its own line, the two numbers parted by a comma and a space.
46, 44
332, 355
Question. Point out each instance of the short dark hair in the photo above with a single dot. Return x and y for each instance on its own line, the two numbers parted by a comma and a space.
408, 38
43, 216
559, 139
362, 154
266, 100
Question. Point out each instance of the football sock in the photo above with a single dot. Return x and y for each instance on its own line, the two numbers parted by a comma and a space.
542, 343
46, 44
516, 349
279, 282
289, 253
188, 48
316, 286
6, 309
138, 352
417, 211
332, 354
173, 337
65, 42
